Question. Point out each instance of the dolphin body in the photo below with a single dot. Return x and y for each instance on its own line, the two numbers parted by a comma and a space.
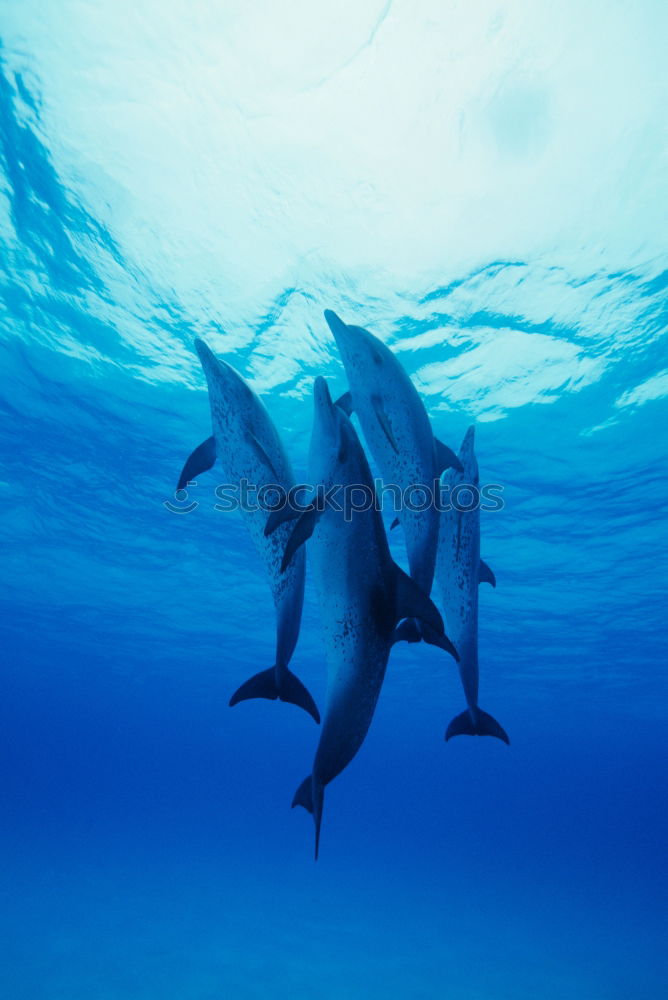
362, 595
399, 435
460, 571
247, 446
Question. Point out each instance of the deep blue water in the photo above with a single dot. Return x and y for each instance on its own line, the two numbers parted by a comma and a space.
496, 213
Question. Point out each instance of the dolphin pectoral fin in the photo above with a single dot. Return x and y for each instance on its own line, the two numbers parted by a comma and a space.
381, 416
302, 531
446, 458
345, 403
304, 796
395, 524
274, 685
486, 725
485, 575
279, 517
261, 453
203, 458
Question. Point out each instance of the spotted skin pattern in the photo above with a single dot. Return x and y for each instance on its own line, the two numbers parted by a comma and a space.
458, 576
248, 447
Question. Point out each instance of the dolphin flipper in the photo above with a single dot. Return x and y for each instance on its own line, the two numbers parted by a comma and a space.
302, 530
486, 725
279, 517
312, 803
446, 458
261, 453
203, 458
485, 574
282, 685
382, 418
345, 403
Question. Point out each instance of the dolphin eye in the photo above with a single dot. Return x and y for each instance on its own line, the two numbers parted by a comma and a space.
377, 358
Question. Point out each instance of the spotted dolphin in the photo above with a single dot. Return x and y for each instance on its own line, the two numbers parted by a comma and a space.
247, 446
399, 435
362, 594
459, 572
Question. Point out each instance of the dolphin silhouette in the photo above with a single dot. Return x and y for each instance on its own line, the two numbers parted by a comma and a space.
362, 595
459, 571
247, 446
399, 435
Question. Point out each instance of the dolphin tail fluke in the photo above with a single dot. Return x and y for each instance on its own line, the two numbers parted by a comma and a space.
411, 631
283, 685
439, 639
292, 690
312, 803
203, 458
485, 725
412, 602
407, 631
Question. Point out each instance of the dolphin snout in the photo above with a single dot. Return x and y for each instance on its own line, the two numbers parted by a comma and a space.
321, 393
469, 439
336, 325
324, 407
206, 355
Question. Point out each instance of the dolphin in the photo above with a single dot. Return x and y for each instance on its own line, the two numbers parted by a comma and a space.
247, 446
362, 594
399, 435
459, 571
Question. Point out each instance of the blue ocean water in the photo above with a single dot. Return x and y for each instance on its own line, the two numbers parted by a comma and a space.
484, 187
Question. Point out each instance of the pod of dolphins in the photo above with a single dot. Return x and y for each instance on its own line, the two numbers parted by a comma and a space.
366, 601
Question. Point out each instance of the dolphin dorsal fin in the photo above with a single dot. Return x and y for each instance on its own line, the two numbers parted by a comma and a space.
345, 403
445, 458
202, 459
485, 574
381, 416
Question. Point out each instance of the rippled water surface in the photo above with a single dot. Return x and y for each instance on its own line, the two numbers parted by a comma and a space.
484, 187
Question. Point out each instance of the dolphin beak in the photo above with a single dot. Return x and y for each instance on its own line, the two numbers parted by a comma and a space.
207, 358
338, 328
